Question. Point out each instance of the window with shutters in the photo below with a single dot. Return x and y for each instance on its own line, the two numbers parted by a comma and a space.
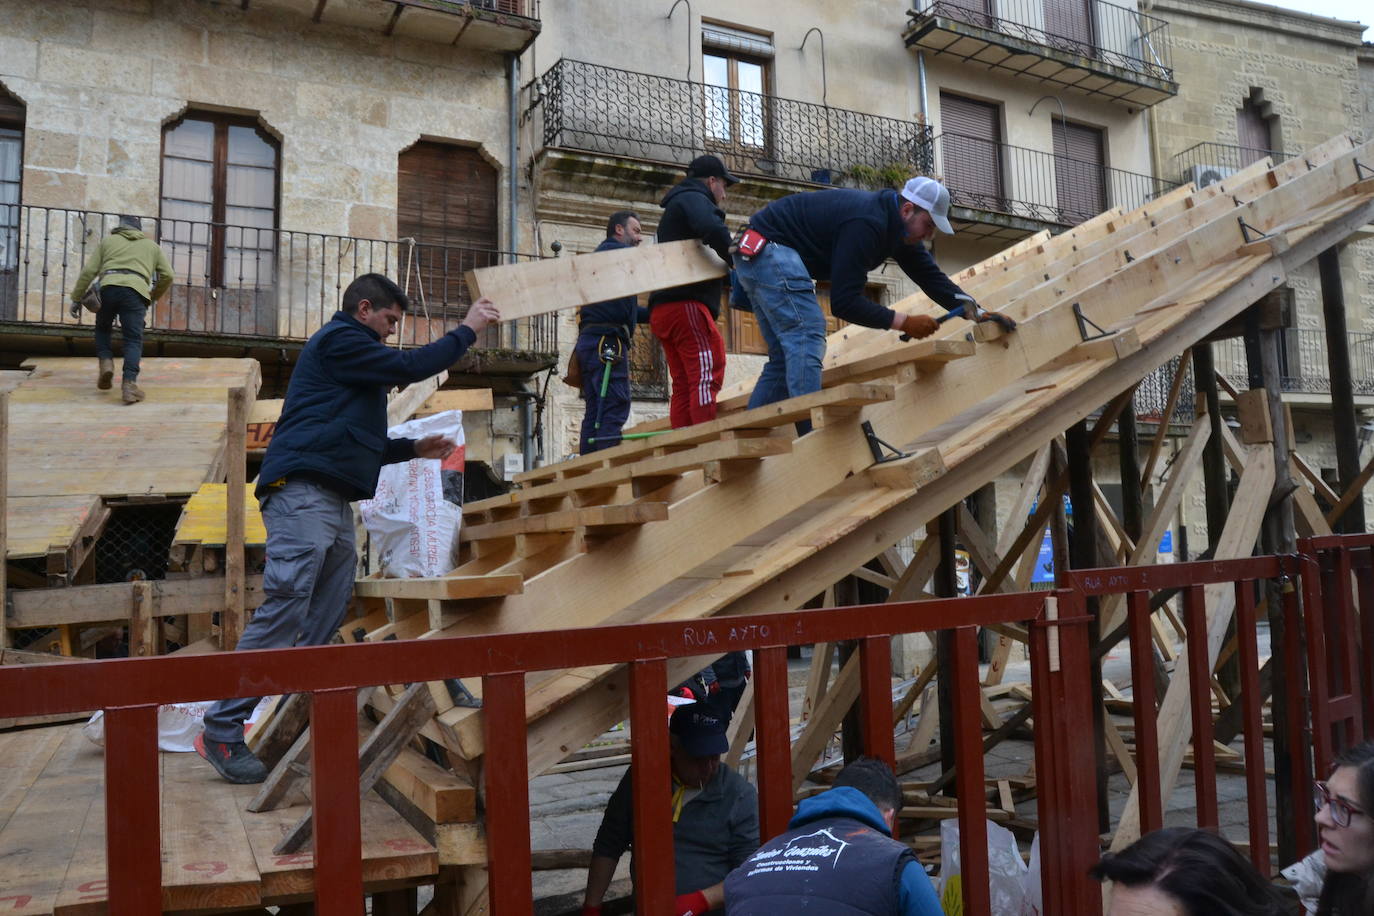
975, 12
1079, 173
447, 220
1070, 24
11, 172
219, 201
971, 152
741, 330
1254, 135
735, 66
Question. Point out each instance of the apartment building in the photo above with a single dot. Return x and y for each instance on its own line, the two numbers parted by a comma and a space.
276, 149
1034, 115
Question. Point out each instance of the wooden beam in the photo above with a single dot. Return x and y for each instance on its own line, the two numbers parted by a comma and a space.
1237, 540
535, 287
236, 461
50, 607
470, 400
441, 587
402, 405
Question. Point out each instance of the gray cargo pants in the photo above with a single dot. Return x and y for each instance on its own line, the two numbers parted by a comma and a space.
308, 580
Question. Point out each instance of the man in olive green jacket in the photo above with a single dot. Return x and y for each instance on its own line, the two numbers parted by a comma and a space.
125, 265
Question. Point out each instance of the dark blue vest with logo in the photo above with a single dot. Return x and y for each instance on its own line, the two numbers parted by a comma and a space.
836, 866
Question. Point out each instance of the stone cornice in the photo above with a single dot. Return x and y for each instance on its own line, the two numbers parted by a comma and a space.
1265, 17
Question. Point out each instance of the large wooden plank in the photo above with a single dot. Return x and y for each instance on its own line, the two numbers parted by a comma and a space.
35, 523
202, 519
441, 587
536, 287
206, 859
50, 607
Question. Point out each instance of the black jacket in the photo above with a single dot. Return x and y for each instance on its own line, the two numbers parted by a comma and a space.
333, 424
842, 234
623, 313
690, 212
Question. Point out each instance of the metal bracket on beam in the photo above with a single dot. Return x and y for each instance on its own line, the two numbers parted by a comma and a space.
878, 447
1084, 322
1249, 232
1363, 171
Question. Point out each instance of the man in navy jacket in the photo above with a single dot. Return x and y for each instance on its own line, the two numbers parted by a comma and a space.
837, 857
605, 331
837, 235
327, 450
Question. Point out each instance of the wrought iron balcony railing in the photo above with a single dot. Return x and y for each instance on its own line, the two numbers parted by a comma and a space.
240, 281
1094, 30
1205, 163
621, 113
1303, 364
1012, 181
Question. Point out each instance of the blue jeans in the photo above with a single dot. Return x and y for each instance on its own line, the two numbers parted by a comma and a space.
306, 585
790, 320
613, 410
130, 307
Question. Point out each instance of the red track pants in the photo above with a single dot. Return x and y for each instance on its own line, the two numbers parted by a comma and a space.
695, 352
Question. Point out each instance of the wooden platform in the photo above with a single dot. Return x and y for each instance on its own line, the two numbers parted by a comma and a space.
216, 856
73, 447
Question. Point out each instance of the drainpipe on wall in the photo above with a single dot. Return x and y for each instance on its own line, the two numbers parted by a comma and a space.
513, 232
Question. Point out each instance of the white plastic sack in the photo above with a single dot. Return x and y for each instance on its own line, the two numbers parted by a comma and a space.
414, 518
1014, 886
1308, 875
178, 724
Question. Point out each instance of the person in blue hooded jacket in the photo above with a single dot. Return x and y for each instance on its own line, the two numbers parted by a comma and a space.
837, 857
327, 450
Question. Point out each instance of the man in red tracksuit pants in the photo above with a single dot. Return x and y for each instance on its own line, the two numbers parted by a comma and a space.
683, 318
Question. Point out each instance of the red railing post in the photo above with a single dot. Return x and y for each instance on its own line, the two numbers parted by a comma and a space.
1064, 738
1200, 700
133, 816
1145, 711
1364, 578
1256, 794
875, 697
1345, 629
336, 806
968, 777
772, 741
650, 768
505, 774
1300, 735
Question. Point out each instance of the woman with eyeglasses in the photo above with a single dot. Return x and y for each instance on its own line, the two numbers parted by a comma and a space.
1346, 830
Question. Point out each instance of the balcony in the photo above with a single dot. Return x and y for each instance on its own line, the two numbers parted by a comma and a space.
488, 25
1207, 163
603, 110
1008, 192
1303, 365
1113, 52
251, 289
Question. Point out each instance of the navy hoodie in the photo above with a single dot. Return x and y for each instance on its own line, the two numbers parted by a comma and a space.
842, 234
690, 212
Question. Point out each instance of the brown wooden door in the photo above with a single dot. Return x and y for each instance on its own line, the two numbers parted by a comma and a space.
1079, 171
971, 152
446, 203
1252, 133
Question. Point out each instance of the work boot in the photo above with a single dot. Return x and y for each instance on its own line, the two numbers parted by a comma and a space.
232, 760
106, 377
132, 393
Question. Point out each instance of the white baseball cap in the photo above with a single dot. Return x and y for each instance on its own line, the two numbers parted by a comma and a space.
933, 197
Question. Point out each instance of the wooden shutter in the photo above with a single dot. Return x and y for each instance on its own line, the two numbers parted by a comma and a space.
446, 201
1252, 133
976, 12
1079, 171
11, 110
1071, 20
970, 150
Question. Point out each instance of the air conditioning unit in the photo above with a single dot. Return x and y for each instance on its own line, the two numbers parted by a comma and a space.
1203, 175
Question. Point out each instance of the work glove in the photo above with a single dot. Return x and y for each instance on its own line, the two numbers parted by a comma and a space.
918, 326
693, 904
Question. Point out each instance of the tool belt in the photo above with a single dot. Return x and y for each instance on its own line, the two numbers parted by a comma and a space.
622, 331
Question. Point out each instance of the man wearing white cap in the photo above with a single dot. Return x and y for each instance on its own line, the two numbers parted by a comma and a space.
837, 235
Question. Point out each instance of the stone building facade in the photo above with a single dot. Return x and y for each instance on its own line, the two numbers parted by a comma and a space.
1256, 81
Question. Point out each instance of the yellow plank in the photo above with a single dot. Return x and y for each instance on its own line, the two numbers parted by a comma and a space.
202, 519
442, 587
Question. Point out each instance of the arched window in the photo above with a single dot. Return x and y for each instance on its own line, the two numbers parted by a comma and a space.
219, 200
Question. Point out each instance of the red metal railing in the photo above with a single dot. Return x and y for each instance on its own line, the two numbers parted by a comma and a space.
130, 690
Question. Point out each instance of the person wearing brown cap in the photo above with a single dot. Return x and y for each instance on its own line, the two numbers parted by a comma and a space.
683, 318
